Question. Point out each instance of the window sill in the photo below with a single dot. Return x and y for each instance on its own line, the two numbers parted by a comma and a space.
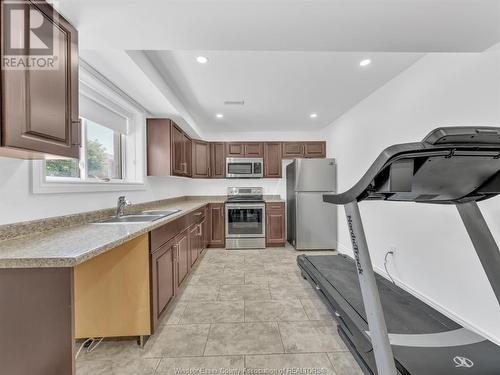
41, 186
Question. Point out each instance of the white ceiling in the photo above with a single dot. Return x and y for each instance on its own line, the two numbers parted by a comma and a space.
280, 89
285, 58
297, 25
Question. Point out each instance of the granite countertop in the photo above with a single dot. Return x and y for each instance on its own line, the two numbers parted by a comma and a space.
72, 245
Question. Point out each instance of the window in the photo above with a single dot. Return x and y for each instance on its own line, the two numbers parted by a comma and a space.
100, 156
113, 140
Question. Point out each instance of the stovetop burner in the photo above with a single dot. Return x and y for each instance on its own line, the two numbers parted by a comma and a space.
245, 195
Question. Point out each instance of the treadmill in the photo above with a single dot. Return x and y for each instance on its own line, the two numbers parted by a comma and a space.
388, 330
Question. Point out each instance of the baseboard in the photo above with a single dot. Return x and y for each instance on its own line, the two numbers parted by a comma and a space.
443, 310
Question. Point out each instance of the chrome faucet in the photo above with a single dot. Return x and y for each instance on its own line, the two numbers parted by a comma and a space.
120, 207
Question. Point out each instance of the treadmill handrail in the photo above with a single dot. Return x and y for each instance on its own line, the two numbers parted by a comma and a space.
357, 190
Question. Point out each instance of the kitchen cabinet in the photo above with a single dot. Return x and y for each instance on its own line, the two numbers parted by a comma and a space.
40, 115
235, 149
216, 228
194, 243
201, 159
315, 149
163, 279
204, 230
272, 159
181, 152
183, 256
254, 150
168, 149
312, 149
217, 160
248, 150
275, 224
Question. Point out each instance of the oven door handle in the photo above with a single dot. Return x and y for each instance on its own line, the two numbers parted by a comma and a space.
245, 206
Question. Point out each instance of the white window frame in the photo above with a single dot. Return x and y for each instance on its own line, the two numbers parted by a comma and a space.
99, 89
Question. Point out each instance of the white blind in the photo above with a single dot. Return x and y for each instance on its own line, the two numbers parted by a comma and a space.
98, 113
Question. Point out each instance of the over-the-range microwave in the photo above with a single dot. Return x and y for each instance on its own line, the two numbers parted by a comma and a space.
244, 167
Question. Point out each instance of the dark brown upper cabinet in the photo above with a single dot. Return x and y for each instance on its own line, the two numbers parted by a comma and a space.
254, 150
169, 149
275, 224
235, 150
181, 152
272, 159
312, 149
248, 150
201, 159
39, 107
292, 150
217, 160
315, 149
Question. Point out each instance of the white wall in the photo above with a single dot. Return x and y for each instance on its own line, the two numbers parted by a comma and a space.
434, 256
17, 203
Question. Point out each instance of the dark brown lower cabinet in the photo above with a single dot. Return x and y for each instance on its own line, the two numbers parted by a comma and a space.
183, 250
204, 231
36, 321
216, 225
175, 249
194, 243
163, 279
275, 224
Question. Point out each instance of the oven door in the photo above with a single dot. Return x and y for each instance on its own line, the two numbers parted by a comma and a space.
245, 220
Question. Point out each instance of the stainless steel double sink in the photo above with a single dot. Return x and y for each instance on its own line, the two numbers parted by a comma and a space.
142, 217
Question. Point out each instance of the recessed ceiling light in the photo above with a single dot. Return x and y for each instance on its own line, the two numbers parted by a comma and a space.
365, 62
202, 59
313, 115
219, 115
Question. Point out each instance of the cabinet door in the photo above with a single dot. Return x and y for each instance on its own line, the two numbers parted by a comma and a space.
293, 150
183, 251
217, 160
187, 155
40, 107
217, 225
201, 159
314, 149
254, 150
193, 243
272, 160
235, 149
275, 224
159, 147
178, 150
163, 280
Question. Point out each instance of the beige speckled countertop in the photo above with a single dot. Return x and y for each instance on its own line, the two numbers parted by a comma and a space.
72, 245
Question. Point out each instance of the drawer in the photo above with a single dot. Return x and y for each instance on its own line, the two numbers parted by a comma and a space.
165, 233
275, 206
197, 216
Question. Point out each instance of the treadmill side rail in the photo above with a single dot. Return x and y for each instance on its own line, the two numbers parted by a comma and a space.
378, 329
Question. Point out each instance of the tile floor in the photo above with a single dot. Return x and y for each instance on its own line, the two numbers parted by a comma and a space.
240, 309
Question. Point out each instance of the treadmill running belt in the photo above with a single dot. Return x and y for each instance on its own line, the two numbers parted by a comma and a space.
424, 341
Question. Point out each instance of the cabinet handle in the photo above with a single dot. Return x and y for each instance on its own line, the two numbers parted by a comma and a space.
78, 132
199, 229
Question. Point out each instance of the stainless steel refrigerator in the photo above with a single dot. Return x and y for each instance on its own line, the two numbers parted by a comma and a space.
312, 223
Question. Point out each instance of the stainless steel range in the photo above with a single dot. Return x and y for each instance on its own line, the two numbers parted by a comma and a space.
245, 218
